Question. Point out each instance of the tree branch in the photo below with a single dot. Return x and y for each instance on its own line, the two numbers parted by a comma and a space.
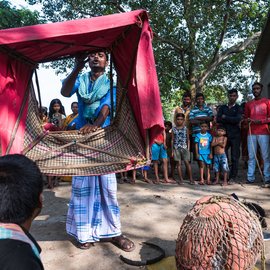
117, 5
177, 47
224, 27
225, 55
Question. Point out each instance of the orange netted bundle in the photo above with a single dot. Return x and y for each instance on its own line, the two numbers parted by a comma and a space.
219, 232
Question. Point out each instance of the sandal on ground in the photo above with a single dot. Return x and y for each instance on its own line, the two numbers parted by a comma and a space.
123, 243
84, 246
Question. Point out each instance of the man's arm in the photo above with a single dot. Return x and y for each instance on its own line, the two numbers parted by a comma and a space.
219, 114
99, 121
233, 119
267, 119
69, 82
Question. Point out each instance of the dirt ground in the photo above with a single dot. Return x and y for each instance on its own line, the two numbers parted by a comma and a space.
152, 213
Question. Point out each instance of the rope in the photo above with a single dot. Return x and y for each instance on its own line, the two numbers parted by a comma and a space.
34, 143
85, 165
221, 233
54, 150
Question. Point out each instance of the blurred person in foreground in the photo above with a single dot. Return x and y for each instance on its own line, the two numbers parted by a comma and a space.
21, 199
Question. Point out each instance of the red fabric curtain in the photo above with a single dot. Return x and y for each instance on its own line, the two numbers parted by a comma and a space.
14, 78
129, 37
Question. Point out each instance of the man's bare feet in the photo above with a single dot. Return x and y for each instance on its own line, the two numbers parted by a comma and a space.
215, 182
201, 182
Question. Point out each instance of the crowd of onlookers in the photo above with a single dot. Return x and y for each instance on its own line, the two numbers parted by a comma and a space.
56, 119
214, 139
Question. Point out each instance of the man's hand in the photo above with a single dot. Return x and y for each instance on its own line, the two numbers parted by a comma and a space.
210, 156
80, 60
88, 129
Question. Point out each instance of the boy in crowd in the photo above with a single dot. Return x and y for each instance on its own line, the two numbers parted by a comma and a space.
159, 152
181, 144
220, 159
203, 151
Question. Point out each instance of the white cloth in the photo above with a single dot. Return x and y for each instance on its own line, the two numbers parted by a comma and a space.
93, 211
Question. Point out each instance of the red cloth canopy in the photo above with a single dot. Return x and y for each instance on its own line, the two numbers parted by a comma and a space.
127, 35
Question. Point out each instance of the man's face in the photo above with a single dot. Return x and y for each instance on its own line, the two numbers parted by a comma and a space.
186, 101
256, 90
232, 97
97, 61
200, 101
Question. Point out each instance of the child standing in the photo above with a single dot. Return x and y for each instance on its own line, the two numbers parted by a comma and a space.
57, 113
159, 152
181, 145
220, 159
203, 152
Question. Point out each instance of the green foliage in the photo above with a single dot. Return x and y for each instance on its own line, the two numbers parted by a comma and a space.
215, 94
12, 17
170, 103
189, 36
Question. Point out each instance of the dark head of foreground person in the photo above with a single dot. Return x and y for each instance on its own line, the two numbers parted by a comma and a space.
20, 202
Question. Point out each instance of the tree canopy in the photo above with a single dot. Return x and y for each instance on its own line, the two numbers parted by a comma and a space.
197, 44
13, 17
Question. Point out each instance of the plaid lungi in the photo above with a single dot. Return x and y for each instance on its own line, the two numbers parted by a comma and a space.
93, 210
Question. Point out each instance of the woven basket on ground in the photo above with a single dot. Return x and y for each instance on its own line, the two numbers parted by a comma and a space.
219, 233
